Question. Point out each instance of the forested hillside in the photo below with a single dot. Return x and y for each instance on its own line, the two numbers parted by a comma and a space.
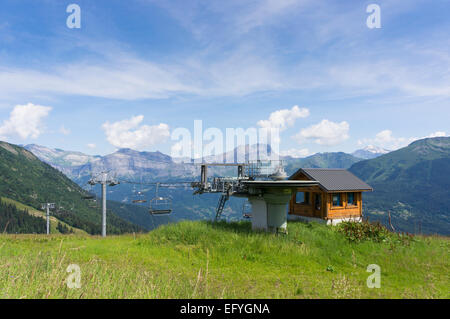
24, 178
14, 220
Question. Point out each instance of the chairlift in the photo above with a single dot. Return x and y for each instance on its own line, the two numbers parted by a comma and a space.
90, 197
160, 206
88, 193
93, 203
138, 196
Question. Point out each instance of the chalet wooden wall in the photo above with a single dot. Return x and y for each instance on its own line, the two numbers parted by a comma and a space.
344, 211
327, 210
309, 209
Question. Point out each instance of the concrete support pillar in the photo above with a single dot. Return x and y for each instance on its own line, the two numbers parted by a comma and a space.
269, 211
259, 213
277, 211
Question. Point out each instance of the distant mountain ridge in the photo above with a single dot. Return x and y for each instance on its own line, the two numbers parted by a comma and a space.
322, 160
130, 163
370, 152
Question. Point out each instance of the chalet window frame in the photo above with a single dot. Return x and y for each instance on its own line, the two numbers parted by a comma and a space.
355, 199
306, 198
317, 201
341, 202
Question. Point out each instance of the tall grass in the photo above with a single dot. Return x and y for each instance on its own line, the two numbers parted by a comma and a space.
222, 260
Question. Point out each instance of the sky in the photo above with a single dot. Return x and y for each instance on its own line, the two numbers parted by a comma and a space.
136, 70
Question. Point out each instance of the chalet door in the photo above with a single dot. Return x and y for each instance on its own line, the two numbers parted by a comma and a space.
317, 205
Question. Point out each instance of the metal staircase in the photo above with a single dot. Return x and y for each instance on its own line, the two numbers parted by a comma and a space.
222, 200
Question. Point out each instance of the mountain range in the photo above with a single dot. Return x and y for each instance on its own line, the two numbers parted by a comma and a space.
156, 165
411, 183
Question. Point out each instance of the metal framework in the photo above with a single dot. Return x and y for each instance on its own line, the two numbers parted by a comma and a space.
250, 171
267, 170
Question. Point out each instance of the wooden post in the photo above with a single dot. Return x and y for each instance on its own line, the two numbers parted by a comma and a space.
390, 224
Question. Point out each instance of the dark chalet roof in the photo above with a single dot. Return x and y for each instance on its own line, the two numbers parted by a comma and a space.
331, 179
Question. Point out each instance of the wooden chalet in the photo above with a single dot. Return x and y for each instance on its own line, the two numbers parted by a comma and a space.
337, 197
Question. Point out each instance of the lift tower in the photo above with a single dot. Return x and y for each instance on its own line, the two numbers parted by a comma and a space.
47, 207
103, 179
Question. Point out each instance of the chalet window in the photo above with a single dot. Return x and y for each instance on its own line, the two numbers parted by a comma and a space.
351, 199
318, 201
336, 199
302, 198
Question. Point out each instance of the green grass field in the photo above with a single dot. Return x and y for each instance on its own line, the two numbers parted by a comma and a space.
205, 260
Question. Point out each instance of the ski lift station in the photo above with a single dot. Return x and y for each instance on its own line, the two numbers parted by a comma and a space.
333, 195
265, 186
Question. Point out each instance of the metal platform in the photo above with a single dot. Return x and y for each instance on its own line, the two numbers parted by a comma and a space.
266, 191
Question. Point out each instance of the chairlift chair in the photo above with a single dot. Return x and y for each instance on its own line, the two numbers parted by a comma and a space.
92, 200
93, 203
160, 206
246, 210
139, 198
88, 194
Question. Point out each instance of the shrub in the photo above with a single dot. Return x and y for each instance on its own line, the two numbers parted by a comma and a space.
357, 232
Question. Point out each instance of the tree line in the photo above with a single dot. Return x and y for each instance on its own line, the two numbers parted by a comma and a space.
17, 221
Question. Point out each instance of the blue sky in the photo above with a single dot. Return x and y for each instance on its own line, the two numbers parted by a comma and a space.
146, 67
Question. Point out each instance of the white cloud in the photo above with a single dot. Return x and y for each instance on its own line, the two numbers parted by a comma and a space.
438, 134
91, 146
324, 133
282, 119
387, 140
293, 152
182, 150
244, 70
130, 134
176, 149
235, 58
25, 121
64, 131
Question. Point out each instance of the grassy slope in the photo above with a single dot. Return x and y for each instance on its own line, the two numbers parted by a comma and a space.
199, 259
32, 211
